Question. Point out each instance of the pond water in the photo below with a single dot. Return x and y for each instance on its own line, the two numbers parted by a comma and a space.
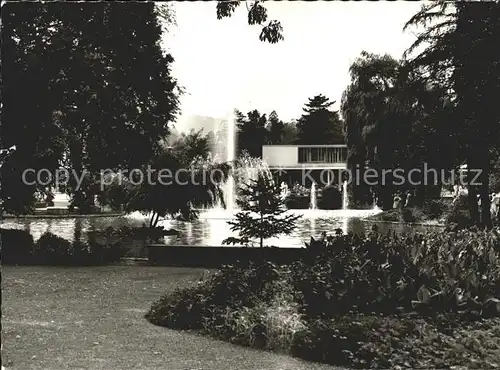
211, 228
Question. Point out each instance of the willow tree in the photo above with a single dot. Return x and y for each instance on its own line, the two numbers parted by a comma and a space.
391, 123
169, 186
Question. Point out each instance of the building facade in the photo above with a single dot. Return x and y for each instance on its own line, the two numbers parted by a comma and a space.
302, 164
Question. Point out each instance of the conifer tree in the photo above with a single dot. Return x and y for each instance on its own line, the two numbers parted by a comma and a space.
263, 213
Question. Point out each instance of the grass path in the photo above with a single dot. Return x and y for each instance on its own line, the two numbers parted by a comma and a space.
92, 318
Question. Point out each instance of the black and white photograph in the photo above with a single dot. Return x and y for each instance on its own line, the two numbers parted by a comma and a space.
250, 185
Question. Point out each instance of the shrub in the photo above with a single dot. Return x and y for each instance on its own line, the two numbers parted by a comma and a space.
458, 214
233, 287
435, 272
51, 249
331, 198
297, 201
127, 240
434, 208
392, 215
407, 215
399, 342
17, 246
357, 301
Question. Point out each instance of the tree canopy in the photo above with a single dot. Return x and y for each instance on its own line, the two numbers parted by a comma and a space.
84, 86
319, 124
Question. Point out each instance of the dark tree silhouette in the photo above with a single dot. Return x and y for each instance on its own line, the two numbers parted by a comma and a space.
276, 129
319, 124
461, 54
87, 87
251, 132
386, 100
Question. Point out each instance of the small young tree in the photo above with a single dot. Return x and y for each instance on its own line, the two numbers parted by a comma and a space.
262, 214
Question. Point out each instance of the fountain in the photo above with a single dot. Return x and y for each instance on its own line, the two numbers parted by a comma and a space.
284, 190
212, 225
312, 203
345, 197
375, 207
244, 169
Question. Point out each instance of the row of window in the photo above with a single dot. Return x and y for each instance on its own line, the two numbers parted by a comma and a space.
322, 155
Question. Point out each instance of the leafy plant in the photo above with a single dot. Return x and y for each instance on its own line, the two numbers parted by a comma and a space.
434, 272
52, 249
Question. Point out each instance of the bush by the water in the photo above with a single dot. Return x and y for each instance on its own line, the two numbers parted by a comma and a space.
353, 299
431, 210
18, 248
458, 216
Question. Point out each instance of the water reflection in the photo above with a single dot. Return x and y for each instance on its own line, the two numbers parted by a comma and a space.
68, 228
204, 231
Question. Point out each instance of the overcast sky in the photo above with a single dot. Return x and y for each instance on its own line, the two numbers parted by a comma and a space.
224, 66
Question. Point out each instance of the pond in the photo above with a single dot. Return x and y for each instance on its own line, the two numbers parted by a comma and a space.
211, 228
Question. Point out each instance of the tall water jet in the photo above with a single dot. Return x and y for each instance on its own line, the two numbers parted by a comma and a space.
229, 191
284, 190
345, 197
224, 151
312, 202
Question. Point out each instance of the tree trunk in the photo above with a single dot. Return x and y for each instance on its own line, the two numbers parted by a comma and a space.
472, 191
478, 172
484, 191
261, 238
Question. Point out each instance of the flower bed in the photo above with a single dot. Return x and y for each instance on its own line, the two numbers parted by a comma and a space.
375, 301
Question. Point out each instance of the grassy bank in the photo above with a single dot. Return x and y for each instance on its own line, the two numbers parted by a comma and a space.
419, 301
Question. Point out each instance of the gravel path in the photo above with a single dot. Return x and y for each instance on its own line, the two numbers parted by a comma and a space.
92, 318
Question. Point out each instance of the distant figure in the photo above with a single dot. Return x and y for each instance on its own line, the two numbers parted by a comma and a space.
456, 191
495, 206
408, 199
397, 201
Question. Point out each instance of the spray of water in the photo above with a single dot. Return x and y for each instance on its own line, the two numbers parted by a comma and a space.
345, 198
312, 202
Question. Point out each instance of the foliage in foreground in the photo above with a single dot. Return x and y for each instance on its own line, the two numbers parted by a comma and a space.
419, 301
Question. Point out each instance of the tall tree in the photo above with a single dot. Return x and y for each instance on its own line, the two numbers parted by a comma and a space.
461, 53
252, 132
86, 84
192, 145
386, 99
319, 124
276, 129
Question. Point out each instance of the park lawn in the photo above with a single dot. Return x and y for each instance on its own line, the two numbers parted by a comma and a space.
93, 318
